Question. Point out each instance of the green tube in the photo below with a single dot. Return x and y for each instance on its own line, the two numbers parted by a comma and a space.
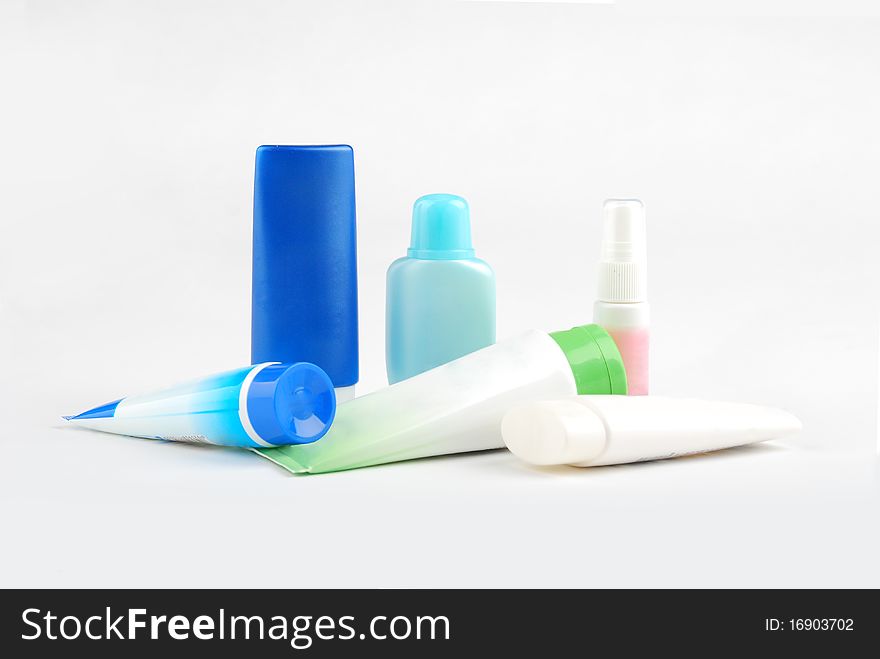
458, 407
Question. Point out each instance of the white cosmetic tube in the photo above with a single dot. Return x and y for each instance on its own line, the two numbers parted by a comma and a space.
587, 431
458, 406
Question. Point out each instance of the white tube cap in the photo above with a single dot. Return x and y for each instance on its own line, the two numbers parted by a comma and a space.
553, 432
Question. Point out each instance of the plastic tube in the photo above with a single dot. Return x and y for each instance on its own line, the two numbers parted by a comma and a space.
458, 406
265, 405
587, 431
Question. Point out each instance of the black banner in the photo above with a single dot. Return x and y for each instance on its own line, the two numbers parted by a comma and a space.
288, 623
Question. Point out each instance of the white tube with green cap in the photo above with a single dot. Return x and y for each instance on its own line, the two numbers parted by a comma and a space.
458, 406
588, 431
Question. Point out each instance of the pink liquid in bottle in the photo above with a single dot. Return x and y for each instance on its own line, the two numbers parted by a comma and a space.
633, 346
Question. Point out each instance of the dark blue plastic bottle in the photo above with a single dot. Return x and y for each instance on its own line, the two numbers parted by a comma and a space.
304, 305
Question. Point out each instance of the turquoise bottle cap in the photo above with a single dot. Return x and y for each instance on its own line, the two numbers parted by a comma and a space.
441, 228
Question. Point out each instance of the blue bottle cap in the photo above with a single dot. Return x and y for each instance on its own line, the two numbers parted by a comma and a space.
441, 228
304, 300
291, 403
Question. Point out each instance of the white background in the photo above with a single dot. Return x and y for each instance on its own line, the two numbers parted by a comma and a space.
128, 133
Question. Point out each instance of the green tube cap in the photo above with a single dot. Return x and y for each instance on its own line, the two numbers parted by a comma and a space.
594, 359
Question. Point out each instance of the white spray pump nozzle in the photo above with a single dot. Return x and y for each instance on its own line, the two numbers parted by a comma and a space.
623, 263
601, 430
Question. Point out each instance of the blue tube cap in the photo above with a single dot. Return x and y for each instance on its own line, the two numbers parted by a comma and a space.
291, 403
441, 228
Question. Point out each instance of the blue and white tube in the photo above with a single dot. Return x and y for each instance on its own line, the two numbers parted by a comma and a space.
259, 406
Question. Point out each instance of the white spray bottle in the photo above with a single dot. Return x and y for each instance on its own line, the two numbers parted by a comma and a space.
622, 298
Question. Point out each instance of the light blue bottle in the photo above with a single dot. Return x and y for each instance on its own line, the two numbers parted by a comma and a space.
440, 298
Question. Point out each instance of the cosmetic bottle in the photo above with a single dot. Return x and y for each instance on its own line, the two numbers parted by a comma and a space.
458, 406
263, 405
440, 298
622, 302
304, 301
586, 431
